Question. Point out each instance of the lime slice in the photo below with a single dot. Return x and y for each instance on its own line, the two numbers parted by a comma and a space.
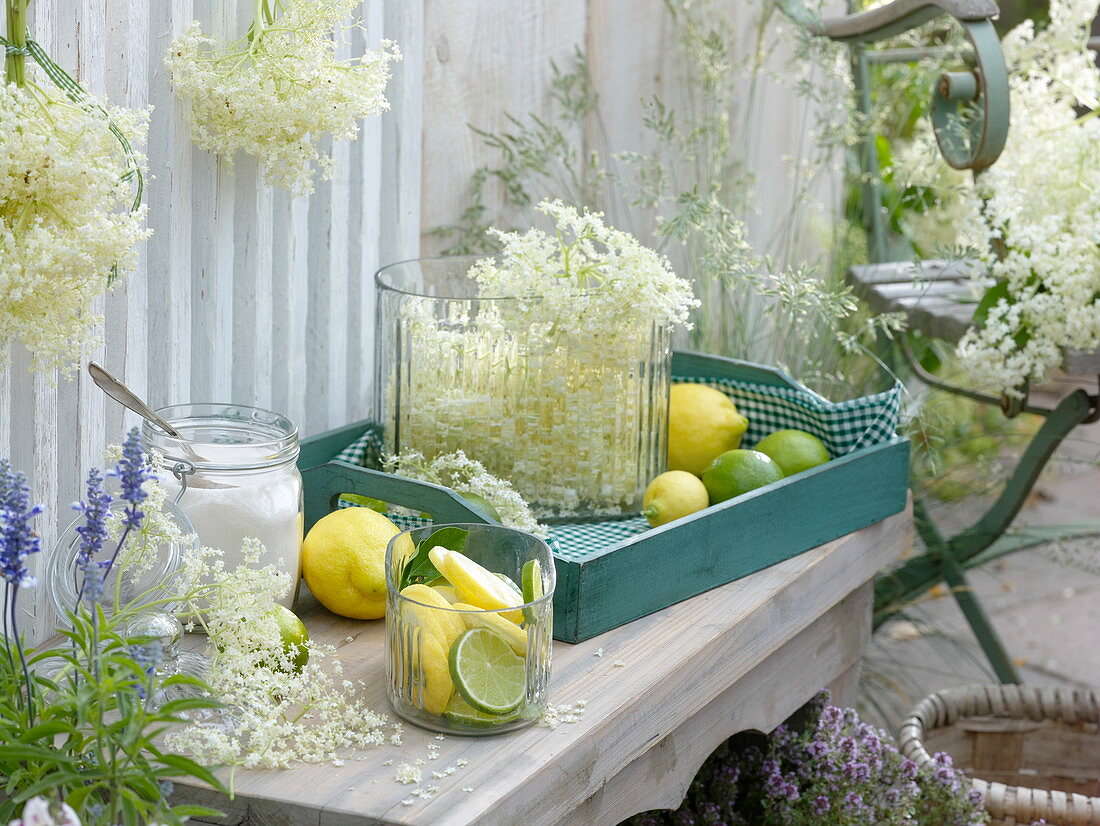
460, 712
531, 578
487, 673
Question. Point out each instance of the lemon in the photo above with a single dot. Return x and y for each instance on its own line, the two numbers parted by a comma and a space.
344, 561
794, 450
445, 625
431, 673
447, 592
516, 636
477, 585
702, 423
673, 495
738, 471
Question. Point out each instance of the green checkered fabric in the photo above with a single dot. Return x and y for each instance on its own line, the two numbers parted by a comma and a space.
843, 427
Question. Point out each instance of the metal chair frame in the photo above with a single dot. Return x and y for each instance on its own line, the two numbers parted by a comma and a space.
983, 86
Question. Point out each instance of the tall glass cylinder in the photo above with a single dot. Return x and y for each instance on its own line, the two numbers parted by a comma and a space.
576, 422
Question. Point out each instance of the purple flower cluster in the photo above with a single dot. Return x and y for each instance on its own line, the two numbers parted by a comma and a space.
18, 538
834, 771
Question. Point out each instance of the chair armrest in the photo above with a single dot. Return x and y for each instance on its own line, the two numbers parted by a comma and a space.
985, 87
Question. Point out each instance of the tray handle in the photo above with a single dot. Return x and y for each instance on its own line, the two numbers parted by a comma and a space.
324, 484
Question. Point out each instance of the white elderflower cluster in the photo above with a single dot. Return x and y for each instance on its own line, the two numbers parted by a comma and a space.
276, 713
1034, 216
557, 383
465, 475
65, 218
277, 91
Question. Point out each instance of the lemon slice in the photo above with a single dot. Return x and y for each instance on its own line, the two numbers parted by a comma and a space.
487, 673
476, 618
477, 585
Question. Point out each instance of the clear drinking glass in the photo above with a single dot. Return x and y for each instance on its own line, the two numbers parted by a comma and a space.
456, 668
239, 467
577, 422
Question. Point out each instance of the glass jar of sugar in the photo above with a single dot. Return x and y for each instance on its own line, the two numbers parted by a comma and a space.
236, 467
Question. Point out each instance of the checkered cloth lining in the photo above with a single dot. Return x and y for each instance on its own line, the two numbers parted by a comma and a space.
842, 426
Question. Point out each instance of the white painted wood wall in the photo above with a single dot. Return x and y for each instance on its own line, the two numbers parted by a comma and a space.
242, 293
245, 294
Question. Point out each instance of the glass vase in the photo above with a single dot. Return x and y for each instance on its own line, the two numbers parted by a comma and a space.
456, 668
576, 422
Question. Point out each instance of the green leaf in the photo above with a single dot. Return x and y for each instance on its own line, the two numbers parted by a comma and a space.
420, 569
174, 707
989, 301
186, 765
365, 502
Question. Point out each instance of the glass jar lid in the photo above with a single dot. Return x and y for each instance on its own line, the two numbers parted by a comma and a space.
64, 577
224, 437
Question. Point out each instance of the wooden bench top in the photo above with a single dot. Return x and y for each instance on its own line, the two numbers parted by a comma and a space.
660, 694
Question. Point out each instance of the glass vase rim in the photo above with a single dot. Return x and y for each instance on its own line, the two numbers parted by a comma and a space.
390, 587
382, 284
283, 443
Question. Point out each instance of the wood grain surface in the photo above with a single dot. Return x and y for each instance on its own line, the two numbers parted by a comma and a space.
742, 656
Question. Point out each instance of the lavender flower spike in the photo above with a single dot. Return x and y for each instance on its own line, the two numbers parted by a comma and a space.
93, 534
18, 538
132, 473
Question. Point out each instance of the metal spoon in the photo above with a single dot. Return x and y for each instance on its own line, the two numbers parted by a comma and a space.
128, 399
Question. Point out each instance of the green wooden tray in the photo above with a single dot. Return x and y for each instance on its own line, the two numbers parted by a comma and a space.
643, 573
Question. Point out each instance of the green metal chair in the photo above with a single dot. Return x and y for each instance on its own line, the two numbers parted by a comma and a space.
934, 294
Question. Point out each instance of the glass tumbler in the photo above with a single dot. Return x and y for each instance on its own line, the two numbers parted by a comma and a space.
453, 666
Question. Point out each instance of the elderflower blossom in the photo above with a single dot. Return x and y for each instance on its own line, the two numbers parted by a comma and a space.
1032, 217
557, 370
65, 219
274, 96
277, 715
465, 475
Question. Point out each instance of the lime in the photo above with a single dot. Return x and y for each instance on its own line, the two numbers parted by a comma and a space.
487, 673
531, 579
292, 631
673, 495
702, 423
794, 450
738, 471
474, 617
462, 713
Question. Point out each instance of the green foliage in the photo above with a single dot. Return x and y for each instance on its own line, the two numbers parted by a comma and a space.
89, 735
693, 191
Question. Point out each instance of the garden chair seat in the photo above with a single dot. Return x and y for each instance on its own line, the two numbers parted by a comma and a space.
937, 300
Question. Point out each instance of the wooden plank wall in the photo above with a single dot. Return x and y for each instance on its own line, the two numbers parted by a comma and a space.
243, 293
487, 59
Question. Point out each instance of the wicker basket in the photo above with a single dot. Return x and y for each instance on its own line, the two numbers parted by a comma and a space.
1033, 752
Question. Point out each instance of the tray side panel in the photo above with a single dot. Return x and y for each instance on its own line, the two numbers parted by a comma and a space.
664, 567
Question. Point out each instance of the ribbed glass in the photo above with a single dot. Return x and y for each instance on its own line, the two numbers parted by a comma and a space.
420, 637
576, 422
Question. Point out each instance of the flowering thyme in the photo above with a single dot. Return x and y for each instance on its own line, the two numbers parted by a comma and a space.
275, 92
